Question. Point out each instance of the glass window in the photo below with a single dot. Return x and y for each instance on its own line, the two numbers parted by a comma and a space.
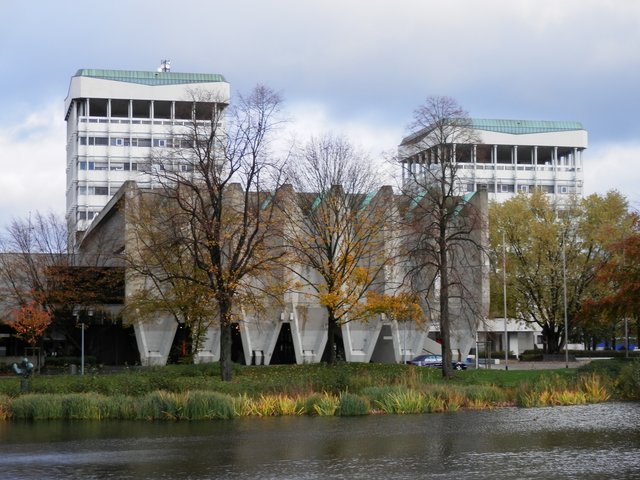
141, 108
120, 108
159, 142
98, 107
101, 190
161, 109
83, 140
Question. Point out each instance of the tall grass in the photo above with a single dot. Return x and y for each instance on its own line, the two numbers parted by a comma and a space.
5, 407
188, 392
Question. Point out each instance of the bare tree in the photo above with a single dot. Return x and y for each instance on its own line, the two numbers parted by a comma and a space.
217, 178
444, 229
338, 219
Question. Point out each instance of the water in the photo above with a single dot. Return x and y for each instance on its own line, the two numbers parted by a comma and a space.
582, 442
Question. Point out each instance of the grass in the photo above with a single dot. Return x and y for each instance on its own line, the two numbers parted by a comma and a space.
194, 392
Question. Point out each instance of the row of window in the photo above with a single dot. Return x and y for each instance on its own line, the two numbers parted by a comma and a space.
133, 166
92, 190
510, 188
174, 142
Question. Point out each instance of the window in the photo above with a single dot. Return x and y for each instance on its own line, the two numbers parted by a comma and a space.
160, 142
87, 166
564, 189
186, 168
101, 190
505, 188
523, 188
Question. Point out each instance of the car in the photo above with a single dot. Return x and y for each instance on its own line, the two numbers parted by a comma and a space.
434, 361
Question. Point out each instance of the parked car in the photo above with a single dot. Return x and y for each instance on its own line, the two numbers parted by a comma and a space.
434, 361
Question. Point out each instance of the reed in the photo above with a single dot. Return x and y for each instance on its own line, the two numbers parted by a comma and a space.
5, 407
161, 405
37, 407
351, 405
595, 388
324, 405
204, 405
84, 406
402, 402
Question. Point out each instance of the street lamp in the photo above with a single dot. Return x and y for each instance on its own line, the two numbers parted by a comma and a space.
564, 294
504, 300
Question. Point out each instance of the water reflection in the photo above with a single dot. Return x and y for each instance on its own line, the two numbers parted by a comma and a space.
583, 442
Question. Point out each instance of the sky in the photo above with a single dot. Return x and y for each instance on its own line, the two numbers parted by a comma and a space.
352, 67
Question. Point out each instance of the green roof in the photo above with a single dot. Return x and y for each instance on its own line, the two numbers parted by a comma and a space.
517, 127
150, 78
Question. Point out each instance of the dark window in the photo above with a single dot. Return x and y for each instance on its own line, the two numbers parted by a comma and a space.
98, 107
162, 110
120, 108
141, 108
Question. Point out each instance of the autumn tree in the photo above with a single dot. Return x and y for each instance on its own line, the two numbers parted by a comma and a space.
548, 244
30, 322
171, 281
29, 247
339, 228
617, 289
218, 176
444, 229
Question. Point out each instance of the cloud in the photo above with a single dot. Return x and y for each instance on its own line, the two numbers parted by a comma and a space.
33, 161
613, 167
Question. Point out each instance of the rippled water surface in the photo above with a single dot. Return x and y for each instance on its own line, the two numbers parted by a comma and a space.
582, 442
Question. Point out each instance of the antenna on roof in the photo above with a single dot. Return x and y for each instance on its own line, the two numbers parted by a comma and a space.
165, 66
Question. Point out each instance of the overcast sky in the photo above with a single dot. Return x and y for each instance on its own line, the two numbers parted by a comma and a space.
350, 66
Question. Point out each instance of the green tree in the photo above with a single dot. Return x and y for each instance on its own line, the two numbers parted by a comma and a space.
549, 245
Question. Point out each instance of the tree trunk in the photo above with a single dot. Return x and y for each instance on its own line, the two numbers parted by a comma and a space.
445, 321
331, 339
226, 370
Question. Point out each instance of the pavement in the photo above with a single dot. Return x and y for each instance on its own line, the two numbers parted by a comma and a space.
518, 365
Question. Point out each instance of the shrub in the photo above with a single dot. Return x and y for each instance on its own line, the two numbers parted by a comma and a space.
351, 404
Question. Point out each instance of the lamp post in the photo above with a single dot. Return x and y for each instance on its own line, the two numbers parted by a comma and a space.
564, 294
504, 301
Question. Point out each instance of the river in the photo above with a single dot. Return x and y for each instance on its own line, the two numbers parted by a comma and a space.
581, 442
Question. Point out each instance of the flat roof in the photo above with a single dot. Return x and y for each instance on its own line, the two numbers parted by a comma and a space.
150, 78
518, 127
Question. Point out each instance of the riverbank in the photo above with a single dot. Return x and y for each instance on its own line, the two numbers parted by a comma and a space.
194, 392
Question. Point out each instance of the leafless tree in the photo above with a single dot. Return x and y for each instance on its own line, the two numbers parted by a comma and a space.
217, 177
338, 220
444, 228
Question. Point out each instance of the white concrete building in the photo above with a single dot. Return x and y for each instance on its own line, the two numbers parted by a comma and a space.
115, 118
510, 156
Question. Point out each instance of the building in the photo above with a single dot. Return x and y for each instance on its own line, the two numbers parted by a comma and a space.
507, 157
293, 328
115, 120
